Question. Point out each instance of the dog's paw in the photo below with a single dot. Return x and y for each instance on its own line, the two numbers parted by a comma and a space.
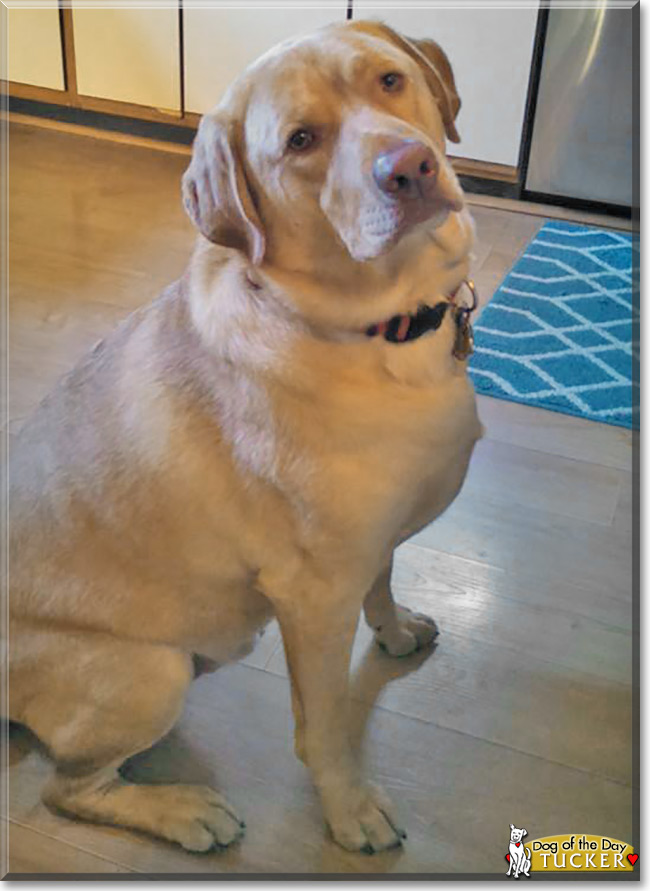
198, 818
364, 821
411, 632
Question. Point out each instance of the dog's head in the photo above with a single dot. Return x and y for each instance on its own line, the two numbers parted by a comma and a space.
516, 835
328, 145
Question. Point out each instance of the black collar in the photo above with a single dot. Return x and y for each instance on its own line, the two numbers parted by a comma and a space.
409, 326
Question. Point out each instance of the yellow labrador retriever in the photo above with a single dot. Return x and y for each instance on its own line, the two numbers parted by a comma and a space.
258, 440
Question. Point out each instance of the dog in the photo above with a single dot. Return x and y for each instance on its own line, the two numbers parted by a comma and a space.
519, 856
257, 441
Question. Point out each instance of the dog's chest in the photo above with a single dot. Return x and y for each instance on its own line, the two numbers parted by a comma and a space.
428, 458
388, 467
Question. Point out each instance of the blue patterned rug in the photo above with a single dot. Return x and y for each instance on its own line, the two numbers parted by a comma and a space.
558, 332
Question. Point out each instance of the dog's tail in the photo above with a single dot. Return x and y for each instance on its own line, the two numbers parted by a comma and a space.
529, 856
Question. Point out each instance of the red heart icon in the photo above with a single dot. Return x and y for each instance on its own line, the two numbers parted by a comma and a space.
517, 843
632, 858
508, 857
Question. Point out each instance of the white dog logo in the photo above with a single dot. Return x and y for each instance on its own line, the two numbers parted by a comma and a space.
518, 855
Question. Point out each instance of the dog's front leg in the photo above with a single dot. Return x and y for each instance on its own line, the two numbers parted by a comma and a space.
318, 624
397, 629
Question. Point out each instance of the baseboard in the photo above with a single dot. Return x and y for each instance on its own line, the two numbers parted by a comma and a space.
477, 177
485, 170
480, 176
100, 120
492, 187
601, 207
174, 148
552, 212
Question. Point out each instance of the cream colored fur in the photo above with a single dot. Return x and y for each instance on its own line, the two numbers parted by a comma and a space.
239, 449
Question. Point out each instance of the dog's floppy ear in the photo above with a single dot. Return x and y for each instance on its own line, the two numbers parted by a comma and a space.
435, 66
512, 826
216, 194
525, 831
450, 104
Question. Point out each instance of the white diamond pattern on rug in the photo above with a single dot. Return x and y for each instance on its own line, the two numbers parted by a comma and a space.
561, 332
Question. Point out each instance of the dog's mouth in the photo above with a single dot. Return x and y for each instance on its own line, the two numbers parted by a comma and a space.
407, 184
381, 225
413, 186
429, 207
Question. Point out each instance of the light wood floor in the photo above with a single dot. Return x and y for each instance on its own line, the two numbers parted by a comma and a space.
523, 712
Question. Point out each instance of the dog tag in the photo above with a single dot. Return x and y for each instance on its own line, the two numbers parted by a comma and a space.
464, 343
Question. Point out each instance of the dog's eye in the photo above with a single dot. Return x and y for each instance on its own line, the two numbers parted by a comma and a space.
301, 139
392, 82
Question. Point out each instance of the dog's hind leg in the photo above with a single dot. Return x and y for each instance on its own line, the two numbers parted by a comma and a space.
100, 704
397, 630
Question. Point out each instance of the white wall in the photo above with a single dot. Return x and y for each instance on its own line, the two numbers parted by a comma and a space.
131, 55
220, 43
34, 46
490, 52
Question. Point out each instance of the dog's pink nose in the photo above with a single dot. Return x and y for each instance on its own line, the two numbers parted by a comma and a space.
402, 170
